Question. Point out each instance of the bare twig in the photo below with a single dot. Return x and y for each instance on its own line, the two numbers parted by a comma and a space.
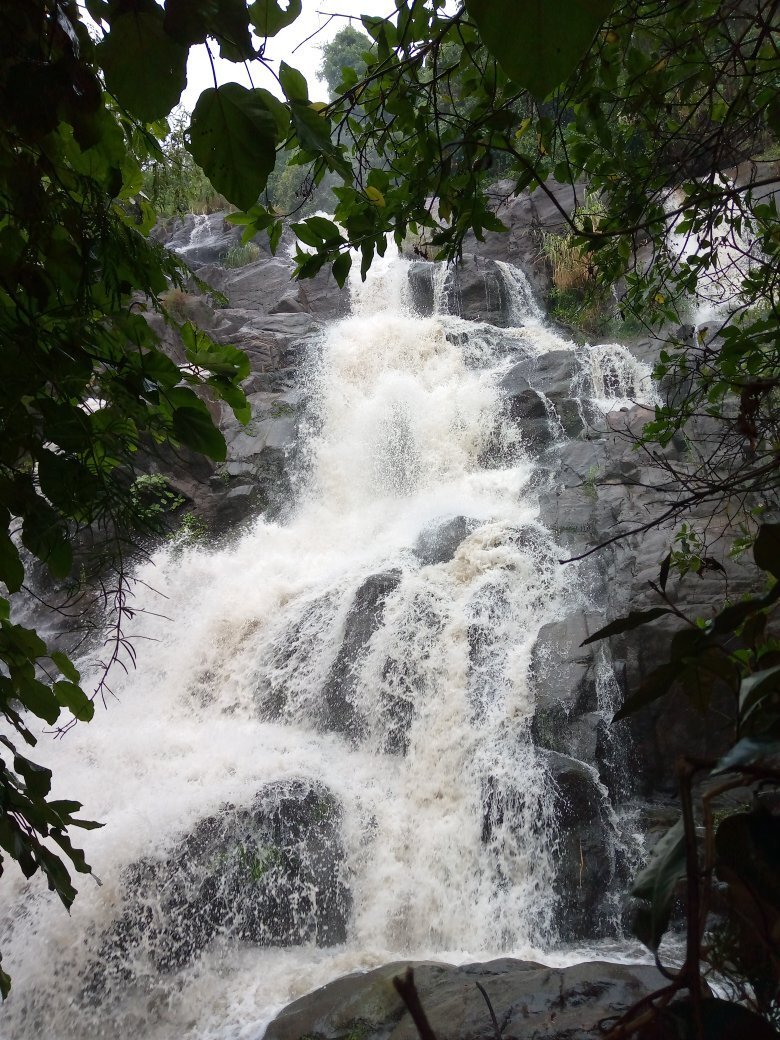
407, 991
494, 1020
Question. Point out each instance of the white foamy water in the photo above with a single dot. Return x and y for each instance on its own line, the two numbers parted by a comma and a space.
415, 745
734, 249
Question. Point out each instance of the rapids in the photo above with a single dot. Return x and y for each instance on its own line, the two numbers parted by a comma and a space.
234, 694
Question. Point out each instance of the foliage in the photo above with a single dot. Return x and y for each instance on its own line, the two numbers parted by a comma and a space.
740, 849
349, 49
174, 184
191, 531
85, 385
152, 500
241, 254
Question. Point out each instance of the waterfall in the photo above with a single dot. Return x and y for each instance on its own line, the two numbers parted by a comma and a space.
616, 379
323, 760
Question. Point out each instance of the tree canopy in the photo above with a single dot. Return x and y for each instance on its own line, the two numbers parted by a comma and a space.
649, 103
349, 48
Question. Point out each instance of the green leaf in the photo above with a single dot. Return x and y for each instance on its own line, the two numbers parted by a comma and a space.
657, 885
275, 235
43, 534
341, 268
766, 550
195, 429
11, 566
268, 17
278, 110
311, 129
754, 688
293, 83
73, 697
158, 368
233, 139
190, 22
65, 665
626, 624
306, 234
221, 358
538, 45
731, 617
144, 67
323, 227
37, 778
663, 575
39, 698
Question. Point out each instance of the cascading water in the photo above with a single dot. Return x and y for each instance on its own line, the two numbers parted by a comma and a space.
734, 250
324, 761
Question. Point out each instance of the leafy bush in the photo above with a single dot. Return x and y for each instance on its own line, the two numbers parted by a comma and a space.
240, 254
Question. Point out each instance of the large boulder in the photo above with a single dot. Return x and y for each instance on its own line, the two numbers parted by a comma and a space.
439, 542
584, 850
267, 874
529, 1000
478, 289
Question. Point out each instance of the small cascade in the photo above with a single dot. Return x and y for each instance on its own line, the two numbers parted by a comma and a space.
200, 232
618, 379
324, 760
523, 307
733, 246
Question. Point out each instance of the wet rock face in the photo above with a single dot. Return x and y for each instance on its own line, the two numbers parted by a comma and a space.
260, 309
526, 216
268, 874
340, 710
529, 1000
439, 543
476, 289
584, 849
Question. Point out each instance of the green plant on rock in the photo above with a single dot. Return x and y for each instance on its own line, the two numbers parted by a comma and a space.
192, 530
152, 500
241, 254
256, 864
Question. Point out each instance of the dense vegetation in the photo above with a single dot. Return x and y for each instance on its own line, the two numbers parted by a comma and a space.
649, 103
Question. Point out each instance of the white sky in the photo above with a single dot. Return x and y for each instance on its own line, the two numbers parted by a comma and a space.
316, 15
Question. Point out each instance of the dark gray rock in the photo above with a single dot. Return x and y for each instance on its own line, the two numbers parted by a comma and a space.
552, 373
529, 1000
268, 874
584, 849
420, 279
201, 239
564, 682
476, 289
257, 286
439, 542
340, 711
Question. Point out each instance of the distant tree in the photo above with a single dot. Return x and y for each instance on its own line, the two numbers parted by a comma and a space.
347, 49
177, 185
